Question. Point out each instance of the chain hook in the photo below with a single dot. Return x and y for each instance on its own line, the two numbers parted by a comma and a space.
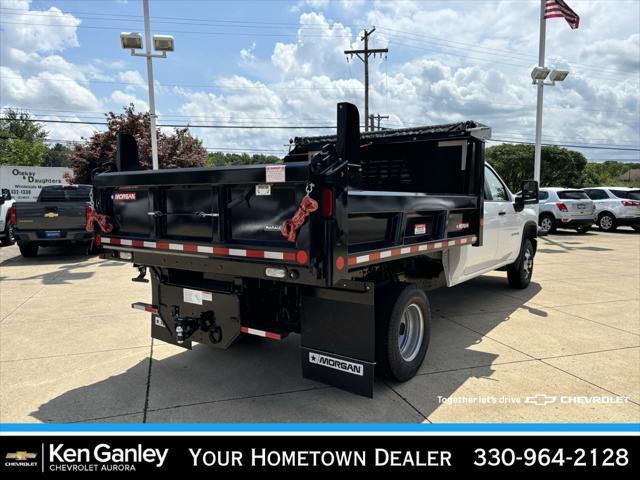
309, 188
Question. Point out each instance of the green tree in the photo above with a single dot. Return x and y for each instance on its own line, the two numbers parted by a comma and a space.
57, 156
222, 159
21, 139
175, 150
560, 167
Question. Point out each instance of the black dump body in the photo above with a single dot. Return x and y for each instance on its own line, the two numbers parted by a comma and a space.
383, 199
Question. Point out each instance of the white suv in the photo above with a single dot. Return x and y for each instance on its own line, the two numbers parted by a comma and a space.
616, 206
565, 208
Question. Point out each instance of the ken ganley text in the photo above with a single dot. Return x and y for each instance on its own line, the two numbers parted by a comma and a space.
262, 457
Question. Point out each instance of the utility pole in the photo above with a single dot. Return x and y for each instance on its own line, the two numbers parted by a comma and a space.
365, 59
378, 117
152, 96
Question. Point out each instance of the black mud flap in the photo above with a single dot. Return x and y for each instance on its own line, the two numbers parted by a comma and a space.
338, 338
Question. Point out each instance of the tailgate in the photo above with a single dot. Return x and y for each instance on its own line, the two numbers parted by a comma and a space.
580, 207
218, 211
51, 216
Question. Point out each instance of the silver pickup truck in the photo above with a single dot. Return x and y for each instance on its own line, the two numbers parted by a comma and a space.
59, 216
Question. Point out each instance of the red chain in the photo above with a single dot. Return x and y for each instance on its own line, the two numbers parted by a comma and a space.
102, 221
289, 228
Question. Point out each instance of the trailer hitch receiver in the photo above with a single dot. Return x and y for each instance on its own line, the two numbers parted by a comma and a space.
185, 327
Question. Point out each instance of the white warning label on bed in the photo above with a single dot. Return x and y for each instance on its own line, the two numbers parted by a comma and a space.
195, 296
264, 189
420, 229
275, 173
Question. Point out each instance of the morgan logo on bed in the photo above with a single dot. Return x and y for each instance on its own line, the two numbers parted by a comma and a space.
336, 363
124, 196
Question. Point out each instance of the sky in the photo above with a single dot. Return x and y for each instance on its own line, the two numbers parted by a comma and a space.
281, 64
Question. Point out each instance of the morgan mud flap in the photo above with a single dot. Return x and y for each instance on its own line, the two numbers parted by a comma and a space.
347, 373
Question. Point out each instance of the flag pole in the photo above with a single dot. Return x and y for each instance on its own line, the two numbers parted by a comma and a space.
538, 148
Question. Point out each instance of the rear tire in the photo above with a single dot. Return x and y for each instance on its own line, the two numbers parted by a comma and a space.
403, 329
8, 238
547, 223
519, 273
607, 222
28, 250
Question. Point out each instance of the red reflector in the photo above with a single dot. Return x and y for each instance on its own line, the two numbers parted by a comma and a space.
562, 207
302, 257
12, 215
340, 263
98, 240
327, 202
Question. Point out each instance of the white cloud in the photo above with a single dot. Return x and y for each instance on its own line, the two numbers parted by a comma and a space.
123, 99
31, 31
45, 90
132, 77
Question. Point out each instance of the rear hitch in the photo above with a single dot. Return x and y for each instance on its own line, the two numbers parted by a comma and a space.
187, 326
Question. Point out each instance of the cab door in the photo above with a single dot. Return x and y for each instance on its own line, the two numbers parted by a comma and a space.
480, 258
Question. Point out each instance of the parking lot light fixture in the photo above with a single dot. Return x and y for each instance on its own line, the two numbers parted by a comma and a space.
131, 40
161, 43
558, 76
539, 73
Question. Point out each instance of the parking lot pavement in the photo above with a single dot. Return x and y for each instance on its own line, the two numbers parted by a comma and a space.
567, 349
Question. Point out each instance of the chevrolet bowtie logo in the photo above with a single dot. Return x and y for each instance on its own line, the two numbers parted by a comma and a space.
540, 399
51, 215
21, 456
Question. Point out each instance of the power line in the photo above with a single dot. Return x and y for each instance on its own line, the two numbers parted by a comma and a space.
175, 125
595, 147
565, 145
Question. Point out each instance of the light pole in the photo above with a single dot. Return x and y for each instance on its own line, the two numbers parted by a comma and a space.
161, 43
538, 75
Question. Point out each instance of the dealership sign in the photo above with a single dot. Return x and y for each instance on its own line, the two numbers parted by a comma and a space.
25, 183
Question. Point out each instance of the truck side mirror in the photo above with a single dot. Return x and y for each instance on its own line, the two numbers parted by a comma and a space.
6, 194
527, 196
530, 192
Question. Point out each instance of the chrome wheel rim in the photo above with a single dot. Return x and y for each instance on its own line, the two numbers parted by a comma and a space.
545, 224
410, 332
606, 222
527, 263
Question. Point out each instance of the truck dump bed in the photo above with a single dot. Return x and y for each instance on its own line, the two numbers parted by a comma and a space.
404, 192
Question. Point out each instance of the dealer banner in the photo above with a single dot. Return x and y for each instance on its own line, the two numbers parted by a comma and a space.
413, 455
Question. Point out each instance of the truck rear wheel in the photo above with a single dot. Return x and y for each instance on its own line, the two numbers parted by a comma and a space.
403, 329
28, 250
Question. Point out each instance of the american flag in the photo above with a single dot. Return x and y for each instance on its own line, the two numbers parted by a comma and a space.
559, 9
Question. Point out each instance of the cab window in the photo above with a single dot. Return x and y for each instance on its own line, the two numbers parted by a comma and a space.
495, 189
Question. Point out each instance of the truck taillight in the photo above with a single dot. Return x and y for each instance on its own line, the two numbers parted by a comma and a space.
562, 207
12, 215
629, 203
327, 202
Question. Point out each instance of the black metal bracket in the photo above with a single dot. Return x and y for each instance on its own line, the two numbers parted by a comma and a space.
142, 273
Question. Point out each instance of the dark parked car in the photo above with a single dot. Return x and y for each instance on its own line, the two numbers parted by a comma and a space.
59, 216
